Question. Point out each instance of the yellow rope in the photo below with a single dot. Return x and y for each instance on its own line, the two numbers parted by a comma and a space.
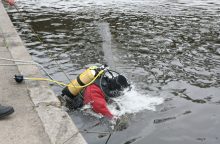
63, 84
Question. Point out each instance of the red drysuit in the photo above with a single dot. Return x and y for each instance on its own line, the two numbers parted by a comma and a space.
94, 95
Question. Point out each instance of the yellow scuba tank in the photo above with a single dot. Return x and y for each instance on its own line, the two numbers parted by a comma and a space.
78, 84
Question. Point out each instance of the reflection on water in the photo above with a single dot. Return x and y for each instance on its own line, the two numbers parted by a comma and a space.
167, 48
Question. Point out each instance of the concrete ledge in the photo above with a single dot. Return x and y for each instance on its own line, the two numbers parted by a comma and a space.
42, 94
57, 123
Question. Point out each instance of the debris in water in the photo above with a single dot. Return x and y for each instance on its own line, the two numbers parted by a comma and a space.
156, 121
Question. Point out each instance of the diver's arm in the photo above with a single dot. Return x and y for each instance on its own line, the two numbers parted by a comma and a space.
100, 106
93, 95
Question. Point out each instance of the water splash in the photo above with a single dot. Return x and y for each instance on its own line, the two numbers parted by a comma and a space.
133, 102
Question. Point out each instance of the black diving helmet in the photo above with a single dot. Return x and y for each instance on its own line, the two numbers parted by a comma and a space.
118, 83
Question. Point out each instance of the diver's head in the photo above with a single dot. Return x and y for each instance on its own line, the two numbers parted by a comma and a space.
118, 83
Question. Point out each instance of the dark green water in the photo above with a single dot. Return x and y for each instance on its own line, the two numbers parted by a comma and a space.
167, 48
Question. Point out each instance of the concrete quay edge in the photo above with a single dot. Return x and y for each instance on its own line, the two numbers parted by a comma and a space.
56, 122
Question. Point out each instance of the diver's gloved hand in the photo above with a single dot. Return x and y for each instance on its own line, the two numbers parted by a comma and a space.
120, 123
115, 119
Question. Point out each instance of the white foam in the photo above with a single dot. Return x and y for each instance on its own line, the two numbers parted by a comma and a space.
133, 102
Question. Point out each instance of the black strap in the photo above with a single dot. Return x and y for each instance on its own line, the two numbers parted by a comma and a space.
66, 92
79, 81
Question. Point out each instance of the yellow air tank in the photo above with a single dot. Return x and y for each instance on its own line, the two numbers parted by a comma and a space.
80, 82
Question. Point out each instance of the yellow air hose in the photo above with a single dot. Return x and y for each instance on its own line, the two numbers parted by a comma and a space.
61, 83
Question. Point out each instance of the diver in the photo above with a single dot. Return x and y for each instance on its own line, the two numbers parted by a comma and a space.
97, 94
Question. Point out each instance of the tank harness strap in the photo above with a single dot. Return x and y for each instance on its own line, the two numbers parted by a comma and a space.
66, 92
79, 81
